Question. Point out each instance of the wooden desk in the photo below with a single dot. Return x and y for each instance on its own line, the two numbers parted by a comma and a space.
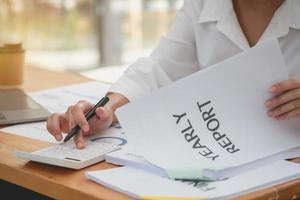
60, 183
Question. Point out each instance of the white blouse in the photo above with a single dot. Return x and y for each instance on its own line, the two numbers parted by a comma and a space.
206, 32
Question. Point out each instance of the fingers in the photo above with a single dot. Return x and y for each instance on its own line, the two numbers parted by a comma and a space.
291, 114
69, 115
79, 118
284, 108
286, 103
57, 123
102, 114
76, 115
64, 123
283, 98
84, 105
79, 140
284, 86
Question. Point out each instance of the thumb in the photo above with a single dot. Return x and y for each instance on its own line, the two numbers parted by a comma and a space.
102, 113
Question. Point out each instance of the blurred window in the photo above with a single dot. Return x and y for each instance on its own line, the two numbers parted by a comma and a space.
82, 34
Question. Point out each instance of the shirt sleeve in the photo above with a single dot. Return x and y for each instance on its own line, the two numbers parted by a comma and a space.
174, 57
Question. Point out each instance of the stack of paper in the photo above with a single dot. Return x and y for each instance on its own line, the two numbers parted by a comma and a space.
213, 124
145, 185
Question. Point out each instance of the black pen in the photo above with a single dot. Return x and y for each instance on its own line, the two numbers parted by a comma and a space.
88, 116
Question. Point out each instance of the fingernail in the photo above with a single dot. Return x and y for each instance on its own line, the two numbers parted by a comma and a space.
58, 137
268, 104
273, 89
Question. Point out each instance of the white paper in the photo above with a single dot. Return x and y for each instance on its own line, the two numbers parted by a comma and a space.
229, 99
138, 183
36, 130
123, 157
58, 100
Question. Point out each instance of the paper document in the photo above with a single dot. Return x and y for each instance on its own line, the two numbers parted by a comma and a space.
213, 123
123, 157
140, 184
58, 100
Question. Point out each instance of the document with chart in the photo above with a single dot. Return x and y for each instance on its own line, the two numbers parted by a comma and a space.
58, 100
213, 123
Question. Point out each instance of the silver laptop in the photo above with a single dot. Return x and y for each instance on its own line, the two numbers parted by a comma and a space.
17, 107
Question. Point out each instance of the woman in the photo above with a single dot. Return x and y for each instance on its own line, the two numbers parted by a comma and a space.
204, 32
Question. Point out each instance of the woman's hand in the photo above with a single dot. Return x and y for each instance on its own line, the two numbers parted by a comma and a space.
286, 101
63, 123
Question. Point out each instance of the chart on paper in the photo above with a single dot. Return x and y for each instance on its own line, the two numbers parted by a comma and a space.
58, 100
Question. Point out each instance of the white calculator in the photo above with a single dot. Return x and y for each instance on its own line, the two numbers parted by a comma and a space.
67, 155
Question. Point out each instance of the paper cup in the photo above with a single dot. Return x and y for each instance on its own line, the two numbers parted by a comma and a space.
11, 65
